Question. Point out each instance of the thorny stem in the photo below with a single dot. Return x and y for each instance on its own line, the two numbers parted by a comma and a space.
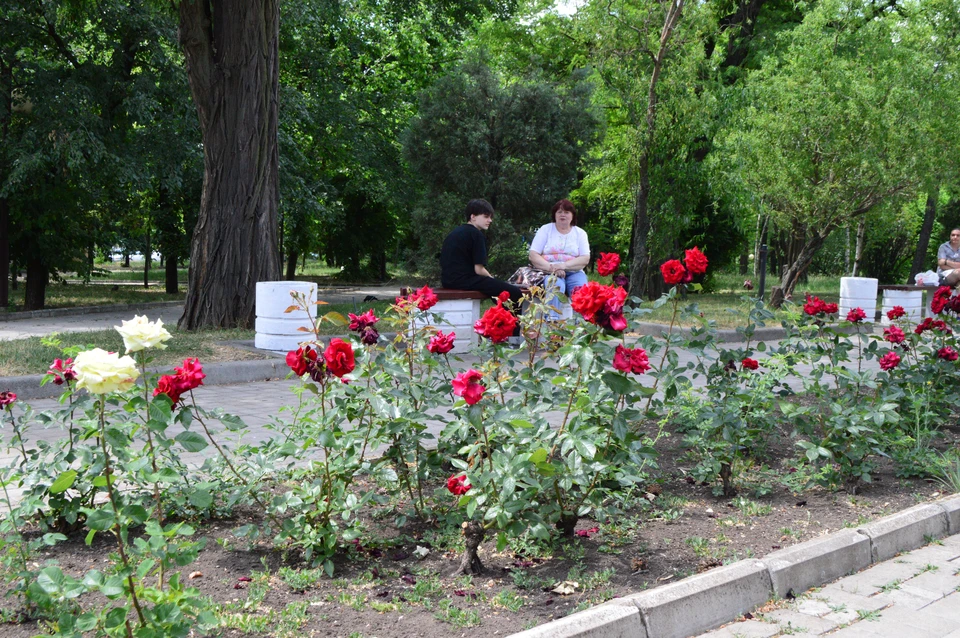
13, 522
16, 432
226, 459
566, 416
117, 531
153, 454
666, 349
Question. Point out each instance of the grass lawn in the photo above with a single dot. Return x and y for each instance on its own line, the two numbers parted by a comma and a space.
31, 356
75, 295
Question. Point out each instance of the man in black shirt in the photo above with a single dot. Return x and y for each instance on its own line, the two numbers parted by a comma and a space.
463, 258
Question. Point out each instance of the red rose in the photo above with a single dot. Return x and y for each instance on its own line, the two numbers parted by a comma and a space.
441, 343
856, 315
497, 323
931, 324
889, 361
61, 367
750, 364
896, 312
359, 322
940, 299
813, 306
467, 385
369, 336
601, 305
300, 359
425, 298
947, 353
339, 357
673, 272
168, 385
830, 308
458, 485
7, 398
621, 359
695, 260
608, 264
893, 334
504, 296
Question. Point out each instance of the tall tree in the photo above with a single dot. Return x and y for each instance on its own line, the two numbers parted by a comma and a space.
232, 59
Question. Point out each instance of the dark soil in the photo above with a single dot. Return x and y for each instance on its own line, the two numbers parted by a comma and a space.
676, 529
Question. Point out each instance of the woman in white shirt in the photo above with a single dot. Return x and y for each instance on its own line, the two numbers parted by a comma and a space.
561, 250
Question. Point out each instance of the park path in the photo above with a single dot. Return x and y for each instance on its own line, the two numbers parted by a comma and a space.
914, 595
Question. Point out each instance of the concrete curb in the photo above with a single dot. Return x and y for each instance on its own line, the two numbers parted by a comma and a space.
706, 601
28, 388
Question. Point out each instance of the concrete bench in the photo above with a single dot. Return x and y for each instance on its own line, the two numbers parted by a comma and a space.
458, 308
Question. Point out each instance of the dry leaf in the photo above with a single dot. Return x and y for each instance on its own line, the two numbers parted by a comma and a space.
566, 588
292, 308
195, 575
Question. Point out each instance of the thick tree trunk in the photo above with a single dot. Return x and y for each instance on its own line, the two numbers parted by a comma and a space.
35, 290
170, 275
231, 49
923, 242
4, 252
473, 533
147, 258
798, 267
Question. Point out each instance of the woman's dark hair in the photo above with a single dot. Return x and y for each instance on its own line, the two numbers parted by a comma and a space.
478, 207
567, 205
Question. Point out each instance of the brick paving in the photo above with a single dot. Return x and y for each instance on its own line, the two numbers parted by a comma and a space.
914, 595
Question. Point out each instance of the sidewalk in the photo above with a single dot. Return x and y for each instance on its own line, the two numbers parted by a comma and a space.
915, 595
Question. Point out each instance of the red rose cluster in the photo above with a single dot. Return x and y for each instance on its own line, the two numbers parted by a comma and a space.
441, 343
674, 272
608, 264
467, 385
930, 324
896, 312
856, 315
894, 334
601, 305
338, 360
816, 306
458, 485
749, 364
889, 361
943, 299
7, 398
183, 380
363, 325
424, 298
948, 354
497, 323
62, 371
631, 360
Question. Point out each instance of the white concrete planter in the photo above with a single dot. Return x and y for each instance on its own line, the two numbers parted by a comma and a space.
910, 300
858, 292
278, 330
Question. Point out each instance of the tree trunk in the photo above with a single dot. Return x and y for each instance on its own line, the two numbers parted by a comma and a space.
858, 251
846, 249
923, 241
147, 258
6, 94
171, 280
639, 254
473, 533
292, 265
798, 267
35, 290
231, 50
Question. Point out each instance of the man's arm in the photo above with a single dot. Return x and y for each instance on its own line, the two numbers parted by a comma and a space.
480, 269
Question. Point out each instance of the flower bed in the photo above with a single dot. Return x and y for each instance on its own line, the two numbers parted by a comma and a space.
579, 440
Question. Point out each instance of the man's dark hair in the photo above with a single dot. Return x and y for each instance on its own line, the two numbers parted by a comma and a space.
478, 207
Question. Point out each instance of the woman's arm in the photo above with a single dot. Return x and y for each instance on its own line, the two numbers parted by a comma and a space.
537, 261
577, 263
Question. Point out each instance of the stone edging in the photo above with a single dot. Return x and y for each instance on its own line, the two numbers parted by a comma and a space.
28, 387
703, 602
85, 310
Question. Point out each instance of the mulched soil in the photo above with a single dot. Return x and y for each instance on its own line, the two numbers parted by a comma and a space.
385, 591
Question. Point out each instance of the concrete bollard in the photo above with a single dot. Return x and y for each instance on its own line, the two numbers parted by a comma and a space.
278, 330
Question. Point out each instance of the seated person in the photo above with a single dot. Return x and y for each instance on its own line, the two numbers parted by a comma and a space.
948, 260
463, 258
561, 250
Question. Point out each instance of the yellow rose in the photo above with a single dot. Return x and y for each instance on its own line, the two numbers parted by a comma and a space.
102, 372
140, 333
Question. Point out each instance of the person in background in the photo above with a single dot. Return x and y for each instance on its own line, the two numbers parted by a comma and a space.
463, 257
561, 250
948, 260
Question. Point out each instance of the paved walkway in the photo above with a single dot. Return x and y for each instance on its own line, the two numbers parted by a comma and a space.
915, 595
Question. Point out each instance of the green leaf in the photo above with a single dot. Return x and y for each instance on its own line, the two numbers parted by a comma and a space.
191, 441
538, 456
617, 382
201, 499
64, 482
100, 520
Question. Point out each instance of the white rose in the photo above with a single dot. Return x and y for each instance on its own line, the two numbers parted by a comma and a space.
102, 372
140, 333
